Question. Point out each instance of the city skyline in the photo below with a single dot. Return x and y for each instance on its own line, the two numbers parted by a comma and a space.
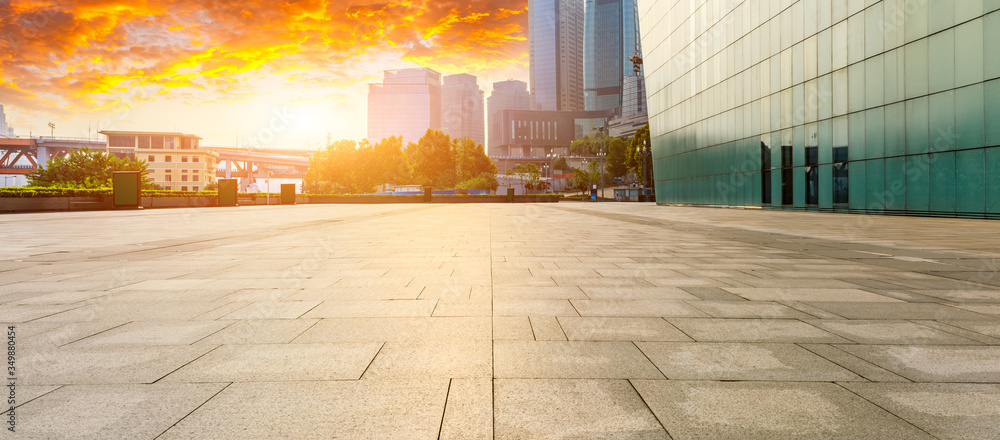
116, 65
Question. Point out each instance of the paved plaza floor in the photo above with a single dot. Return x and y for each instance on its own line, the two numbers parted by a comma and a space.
569, 320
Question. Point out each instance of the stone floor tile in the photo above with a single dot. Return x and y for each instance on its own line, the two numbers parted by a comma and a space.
888, 332
570, 359
635, 307
596, 328
772, 410
152, 333
454, 359
469, 411
748, 309
372, 309
947, 411
572, 408
533, 307
752, 330
104, 365
111, 411
279, 363
326, 409
808, 294
933, 363
430, 329
741, 361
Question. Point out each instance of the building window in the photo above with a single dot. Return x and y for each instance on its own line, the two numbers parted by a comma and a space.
184, 188
812, 176
840, 194
144, 142
121, 141
168, 142
167, 158
194, 171
184, 158
156, 142
194, 158
186, 143
765, 174
787, 191
194, 188
168, 178
151, 158
184, 178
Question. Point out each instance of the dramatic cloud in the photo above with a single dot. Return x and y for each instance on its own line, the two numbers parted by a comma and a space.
99, 55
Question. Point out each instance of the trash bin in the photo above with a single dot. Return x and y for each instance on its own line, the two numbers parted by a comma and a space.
427, 195
510, 195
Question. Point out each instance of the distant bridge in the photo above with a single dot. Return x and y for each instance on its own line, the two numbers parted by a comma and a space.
39, 150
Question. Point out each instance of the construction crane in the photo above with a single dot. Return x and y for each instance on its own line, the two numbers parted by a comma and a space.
636, 62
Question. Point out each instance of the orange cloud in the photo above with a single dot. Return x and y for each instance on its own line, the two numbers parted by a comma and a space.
87, 52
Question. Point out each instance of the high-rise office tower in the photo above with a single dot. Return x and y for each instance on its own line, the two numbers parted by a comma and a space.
507, 95
462, 108
611, 39
5, 130
406, 104
555, 39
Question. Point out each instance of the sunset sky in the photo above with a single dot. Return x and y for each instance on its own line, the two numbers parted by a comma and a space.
215, 68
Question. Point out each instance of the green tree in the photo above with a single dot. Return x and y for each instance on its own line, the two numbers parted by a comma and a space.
582, 179
342, 168
487, 181
390, 161
433, 160
640, 142
86, 168
616, 163
532, 177
471, 159
561, 164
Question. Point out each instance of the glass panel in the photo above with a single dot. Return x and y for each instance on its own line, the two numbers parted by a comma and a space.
941, 15
991, 58
895, 183
840, 92
825, 141
967, 10
892, 23
915, 23
810, 58
874, 83
970, 181
824, 52
825, 84
875, 181
968, 51
765, 160
857, 190
840, 45
942, 70
824, 14
917, 181
840, 183
856, 85
857, 135
993, 180
787, 187
798, 63
826, 189
942, 121
916, 126
992, 99
875, 133
894, 76
969, 118
812, 176
855, 38
895, 129
873, 30
811, 104
916, 68
942, 184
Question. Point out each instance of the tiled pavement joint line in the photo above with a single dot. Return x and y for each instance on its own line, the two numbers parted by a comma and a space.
56, 313
192, 411
444, 410
957, 331
680, 330
20, 404
95, 334
850, 356
217, 331
886, 410
292, 341
367, 367
493, 342
310, 309
650, 360
643, 399
809, 310
186, 364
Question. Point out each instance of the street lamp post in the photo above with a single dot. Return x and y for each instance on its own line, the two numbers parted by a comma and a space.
602, 153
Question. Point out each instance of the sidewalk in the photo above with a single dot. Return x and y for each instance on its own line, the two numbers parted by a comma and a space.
570, 320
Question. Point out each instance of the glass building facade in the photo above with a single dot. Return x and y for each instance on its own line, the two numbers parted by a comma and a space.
886, 106
611, 37
406, 103
555, 52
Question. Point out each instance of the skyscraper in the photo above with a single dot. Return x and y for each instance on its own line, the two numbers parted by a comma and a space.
611, 38
462, 108
555, 40
5, 129
507, 95
406, 104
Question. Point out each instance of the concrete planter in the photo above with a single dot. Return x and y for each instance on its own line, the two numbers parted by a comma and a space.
30, 204
361, 200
